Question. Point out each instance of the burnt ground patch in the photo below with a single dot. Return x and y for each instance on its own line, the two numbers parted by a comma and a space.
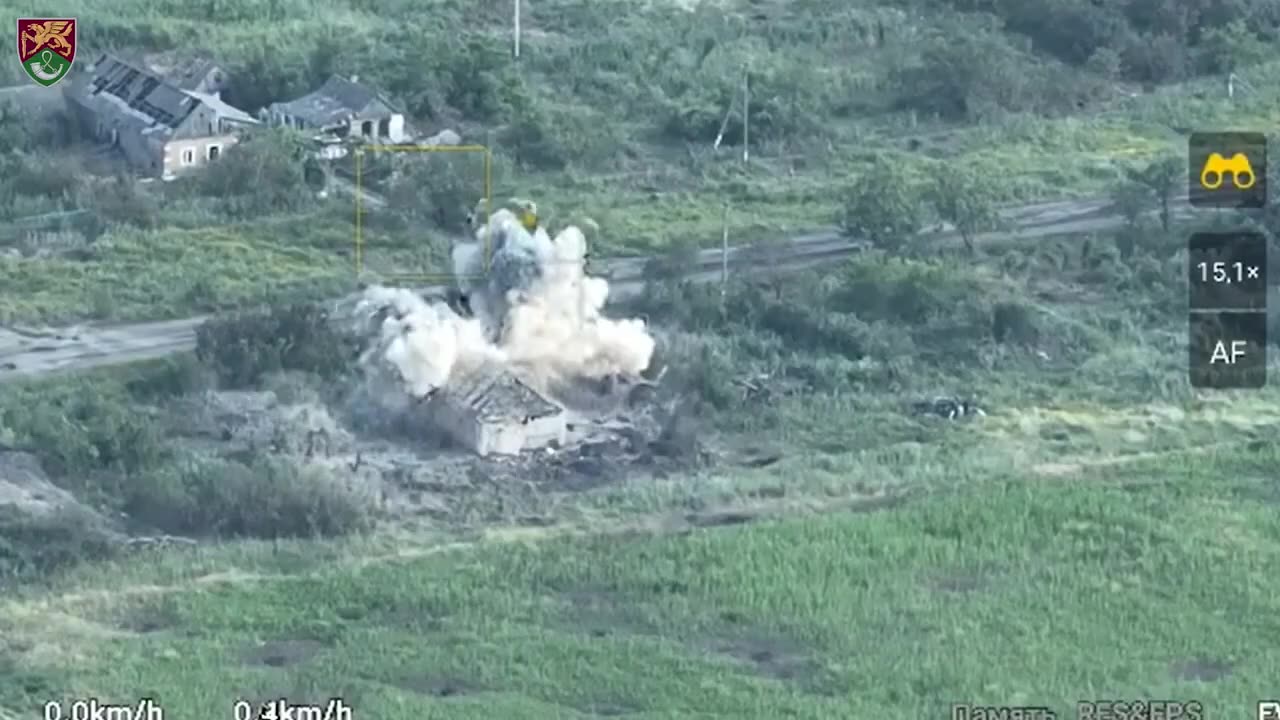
603, 613
414, 614
1201, 669
149, 615
764, 510
439, 686
606, 709
418, 620
961, 581
282, 653
723, 518
770, 656
1265, 490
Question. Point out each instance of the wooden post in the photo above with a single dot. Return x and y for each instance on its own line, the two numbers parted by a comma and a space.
724, 255
746, 113
515, 31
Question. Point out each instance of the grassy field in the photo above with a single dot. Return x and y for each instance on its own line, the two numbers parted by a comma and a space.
646, 192
1104, 533
1144, 577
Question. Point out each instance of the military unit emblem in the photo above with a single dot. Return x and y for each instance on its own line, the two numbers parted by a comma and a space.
46, 48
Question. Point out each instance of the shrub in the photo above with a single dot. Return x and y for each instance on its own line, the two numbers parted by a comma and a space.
171, 377
443, 187
36, 176
33, 546
265, 173
240, 348
1013, 322
81, 429
966, 199
123, 200
263, 497
971, 74
882, 206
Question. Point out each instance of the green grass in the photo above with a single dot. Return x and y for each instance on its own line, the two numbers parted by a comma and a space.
645, 194
1125, 582
1105, 532
174, 272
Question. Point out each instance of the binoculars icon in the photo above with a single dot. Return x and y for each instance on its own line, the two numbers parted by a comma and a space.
1216, 167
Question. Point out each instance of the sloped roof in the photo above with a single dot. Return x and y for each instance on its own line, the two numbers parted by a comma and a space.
139, 92
147, 97
493, 394
188, 76
332, 103
221, 107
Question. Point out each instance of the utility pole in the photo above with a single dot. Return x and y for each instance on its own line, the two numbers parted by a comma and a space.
724, 255
746, 112
515, 31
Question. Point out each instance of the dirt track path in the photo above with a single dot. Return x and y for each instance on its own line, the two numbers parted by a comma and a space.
26, 352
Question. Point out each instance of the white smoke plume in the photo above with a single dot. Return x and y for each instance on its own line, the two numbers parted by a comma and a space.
535, 311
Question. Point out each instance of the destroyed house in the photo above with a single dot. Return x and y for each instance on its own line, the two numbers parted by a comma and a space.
493, 412
341, 108
200, 75
160, 129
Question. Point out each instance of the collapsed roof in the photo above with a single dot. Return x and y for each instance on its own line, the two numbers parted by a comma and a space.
494, 395
143, 95
333, 103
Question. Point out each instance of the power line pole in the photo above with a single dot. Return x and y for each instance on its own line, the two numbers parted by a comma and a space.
746, 112
515, 31
724, 255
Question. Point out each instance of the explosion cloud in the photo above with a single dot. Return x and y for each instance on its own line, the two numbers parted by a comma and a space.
535, 311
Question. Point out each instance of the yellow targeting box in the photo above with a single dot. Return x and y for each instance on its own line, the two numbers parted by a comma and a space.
487, 158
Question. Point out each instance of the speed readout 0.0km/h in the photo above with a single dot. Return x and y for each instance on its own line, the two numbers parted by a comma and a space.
1227, 271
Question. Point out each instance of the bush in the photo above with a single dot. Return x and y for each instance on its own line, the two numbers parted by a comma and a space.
81, 429
20, 128
265, 173
532, 139
168, 378
34, 546
903, 294
1013, 322
36, 176
883, 206
242, 347
263, 497
1160, 39
442, 187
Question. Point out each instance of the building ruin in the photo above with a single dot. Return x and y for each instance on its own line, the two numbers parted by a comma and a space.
492, 412
158, 128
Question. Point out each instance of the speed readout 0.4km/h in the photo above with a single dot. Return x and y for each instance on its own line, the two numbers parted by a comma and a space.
1227, 271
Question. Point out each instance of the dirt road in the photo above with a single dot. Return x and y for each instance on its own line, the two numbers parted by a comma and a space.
28, 352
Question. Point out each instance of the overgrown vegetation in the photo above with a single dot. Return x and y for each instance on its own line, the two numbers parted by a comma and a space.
883, 118
878, 323
35, 546
104, 438
837, 615
243, 347
610, 114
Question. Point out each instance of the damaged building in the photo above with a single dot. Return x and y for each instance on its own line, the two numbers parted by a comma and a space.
492, 412
159, 129
338, 111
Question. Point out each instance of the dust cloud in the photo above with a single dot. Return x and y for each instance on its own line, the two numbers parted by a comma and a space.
534, 310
